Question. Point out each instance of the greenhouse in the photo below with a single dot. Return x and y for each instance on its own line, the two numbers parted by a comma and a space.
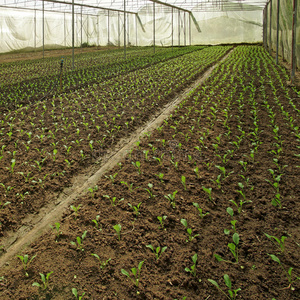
150, 149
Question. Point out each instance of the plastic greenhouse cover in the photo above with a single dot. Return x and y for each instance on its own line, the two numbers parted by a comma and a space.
22, 29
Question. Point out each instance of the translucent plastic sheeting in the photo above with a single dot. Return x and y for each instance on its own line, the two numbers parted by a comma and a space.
22, 29
285, 29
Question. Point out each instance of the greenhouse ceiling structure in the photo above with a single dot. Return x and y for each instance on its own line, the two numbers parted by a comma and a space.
27, 24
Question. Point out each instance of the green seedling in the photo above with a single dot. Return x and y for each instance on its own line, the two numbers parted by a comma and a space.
288, 273
137, 164
160, 176
201, 214
104, 263
2, 205
184, 298
56, 230
233, 222
79, 241
223, 170
208, 191
196, 170
45, 281
136, 273
112, 177
158, 251
118, 228
26, 262
130, 186
192, 270
243, 164
135, 208
280, 242
183, 181
149, 190
233, 247
96, 222
113, 200
231, 293
92, 190
161, 221
171, 198
189, 230
75, 293
75, 209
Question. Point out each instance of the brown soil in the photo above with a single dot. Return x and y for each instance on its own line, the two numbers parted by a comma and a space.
202, 118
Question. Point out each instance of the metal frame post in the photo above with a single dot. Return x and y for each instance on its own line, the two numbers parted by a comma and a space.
136, 30
277, 34
184, 25
172, 28
190, 29
154, 27
81, 25
43, 29
178, 27
293, 71
119, 31
125, 29
108, 33
34, 30
73, 34
270, 36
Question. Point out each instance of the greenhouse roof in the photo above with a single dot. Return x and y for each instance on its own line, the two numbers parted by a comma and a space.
134, 6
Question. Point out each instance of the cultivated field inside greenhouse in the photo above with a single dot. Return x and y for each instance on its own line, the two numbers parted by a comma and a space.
173, 175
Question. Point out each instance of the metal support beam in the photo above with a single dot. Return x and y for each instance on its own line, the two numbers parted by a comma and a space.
35, 30
277, 34
125, 29
108, 33
294, 62
178, 27
73, 35
43, 30
270, 33
190, 29
154, 27
172, 28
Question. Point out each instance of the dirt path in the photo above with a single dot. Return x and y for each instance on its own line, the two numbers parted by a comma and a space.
36, 225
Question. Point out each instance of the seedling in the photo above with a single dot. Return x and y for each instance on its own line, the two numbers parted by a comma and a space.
2, 205
183, 181
56, 229
79, 241
158, 251
75, 209
118, 228
25, 262
137, 164
208, 191
113, 200
104, 263
233, 222
130, 186
45, 281
160, 176
233, 247
161, 221
136, 273
151, 195
231, 293
189, 230
171, 198
280, 242
192, 270
92, 190
288, 273
243, 164
135, 208
112, 177
201, 214
96, 222
75, 293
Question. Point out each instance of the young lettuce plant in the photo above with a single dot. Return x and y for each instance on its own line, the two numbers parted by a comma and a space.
76, 295
75, 209
97, 224
158, 251
231, 293
56, 230
45, 281
201, 214
79, 241
136, 273
118, 228
104, 263
192, 270
113, 200
26, 262
280, 242
233, 247
161, 221
171, 198
189, 230
208, 191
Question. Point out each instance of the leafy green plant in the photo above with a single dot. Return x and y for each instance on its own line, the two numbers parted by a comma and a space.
171, 198
208, 191
79, 241
75, 209
233, 247
161, 221
137, 164
280, 242
96, 222
136, 274
56, 229
92, 190
231, 293
288, 273
118, 228
104, 263
76, 295
2, 205
201, 214
183, 181
189, 230
158, 251
26, 262
135, 208
113, 200
192, 270
149, 190
45, 281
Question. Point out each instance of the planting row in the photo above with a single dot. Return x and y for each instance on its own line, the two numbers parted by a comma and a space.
204, 207
24, 92
43, 146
